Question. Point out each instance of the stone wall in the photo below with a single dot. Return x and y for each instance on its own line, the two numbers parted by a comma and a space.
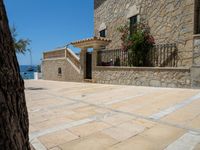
196, 63
97, 3
197, 50
156, 77
171, 21
69, 71
54, 54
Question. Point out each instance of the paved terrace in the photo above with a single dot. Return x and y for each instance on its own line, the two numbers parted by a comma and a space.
81, 116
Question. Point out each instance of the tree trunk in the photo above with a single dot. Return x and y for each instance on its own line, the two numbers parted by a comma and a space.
14, 123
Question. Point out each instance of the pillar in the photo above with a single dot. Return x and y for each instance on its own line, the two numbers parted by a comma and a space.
83, 62
94, 57
195, 70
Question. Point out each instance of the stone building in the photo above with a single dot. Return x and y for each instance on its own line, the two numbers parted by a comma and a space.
61, 65
174, 22
170, 21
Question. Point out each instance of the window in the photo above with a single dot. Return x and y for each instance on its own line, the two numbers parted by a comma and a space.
59, 71
133, 22
197, 17
102, 33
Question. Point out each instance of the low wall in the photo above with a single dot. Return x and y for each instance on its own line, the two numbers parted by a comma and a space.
142, 76
37, 75
69, 71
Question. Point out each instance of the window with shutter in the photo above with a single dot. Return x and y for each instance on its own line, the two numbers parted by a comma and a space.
133, 23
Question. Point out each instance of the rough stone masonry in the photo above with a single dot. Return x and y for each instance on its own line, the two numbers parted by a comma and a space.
170, 21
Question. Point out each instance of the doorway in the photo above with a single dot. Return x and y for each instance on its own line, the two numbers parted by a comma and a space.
88, 65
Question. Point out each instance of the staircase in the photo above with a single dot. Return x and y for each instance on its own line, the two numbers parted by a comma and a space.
73, 59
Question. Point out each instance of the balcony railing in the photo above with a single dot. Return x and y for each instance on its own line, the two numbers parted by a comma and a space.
162, 55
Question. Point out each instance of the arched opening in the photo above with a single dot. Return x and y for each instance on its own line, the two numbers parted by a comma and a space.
59, 71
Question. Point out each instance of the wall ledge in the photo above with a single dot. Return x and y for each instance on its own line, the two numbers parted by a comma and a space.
196, 35
59, 58
112, 68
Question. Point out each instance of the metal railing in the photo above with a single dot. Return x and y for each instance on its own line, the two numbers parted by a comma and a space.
162, 55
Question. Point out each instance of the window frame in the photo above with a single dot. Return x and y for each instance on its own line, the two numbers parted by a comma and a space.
102, 33
133, 22
59, 71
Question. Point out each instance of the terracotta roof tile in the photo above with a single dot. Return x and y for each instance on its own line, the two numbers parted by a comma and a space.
92, 39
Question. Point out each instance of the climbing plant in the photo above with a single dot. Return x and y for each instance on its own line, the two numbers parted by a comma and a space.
138, 43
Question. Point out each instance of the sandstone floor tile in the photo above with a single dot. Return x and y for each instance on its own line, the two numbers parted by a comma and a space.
156, 138
188, 141
43, 103
116, 119
124, 131
32, 128
185, 115
41, 116
89, 128
89, 110
143, 122
74, 106
84, 108
96, 141
102, 110
194, 123
87, 92
37, 119
55, 148
61, 113
51, 123
163, 102
138, 101
105, 98
79, 116
163, 134
57, 138
139, 143
61, 102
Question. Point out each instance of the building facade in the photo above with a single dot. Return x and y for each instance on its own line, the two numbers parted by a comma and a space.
173, 23
61, 65
170, 21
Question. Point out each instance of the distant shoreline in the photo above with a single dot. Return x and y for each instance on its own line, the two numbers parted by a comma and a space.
27, 75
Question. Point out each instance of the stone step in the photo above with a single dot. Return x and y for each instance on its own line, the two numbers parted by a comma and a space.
88, 80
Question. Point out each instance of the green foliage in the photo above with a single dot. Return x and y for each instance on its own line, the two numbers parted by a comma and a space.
38, 68
20, 45
138, 44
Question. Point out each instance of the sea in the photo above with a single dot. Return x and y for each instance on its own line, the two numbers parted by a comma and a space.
27, 74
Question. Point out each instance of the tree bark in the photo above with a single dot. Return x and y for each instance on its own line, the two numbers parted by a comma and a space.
14, 125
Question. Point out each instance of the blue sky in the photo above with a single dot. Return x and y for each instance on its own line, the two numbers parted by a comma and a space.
50, 23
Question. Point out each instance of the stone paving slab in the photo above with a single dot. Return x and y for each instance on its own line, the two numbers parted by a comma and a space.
77, 116
156, 138
96, 141
124, 131
57, 138
89, 128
